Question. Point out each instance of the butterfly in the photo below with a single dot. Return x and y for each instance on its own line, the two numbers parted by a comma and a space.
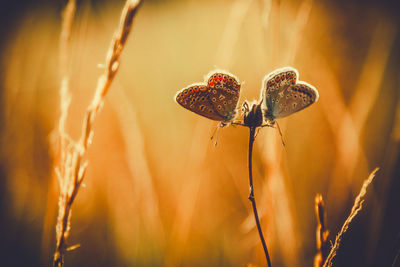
282, 94
217, 98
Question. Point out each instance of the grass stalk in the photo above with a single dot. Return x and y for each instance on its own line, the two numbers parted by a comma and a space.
358, 202
72, 167
322, 233
252, 120
251, 196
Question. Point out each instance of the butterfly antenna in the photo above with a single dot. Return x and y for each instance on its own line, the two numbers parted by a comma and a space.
280, 133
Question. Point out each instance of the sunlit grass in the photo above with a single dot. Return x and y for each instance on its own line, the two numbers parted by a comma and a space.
156, 189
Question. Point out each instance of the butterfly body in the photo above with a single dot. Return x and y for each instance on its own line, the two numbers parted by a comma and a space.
253, 116
217, 98
282, 94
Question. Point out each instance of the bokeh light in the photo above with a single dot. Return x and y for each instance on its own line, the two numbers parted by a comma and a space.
157, 191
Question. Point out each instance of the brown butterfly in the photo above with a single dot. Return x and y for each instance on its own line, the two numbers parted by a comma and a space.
217, 98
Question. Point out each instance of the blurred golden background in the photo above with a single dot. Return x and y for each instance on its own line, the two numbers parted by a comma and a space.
157, 192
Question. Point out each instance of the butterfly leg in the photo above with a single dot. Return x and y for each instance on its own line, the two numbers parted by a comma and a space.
216, 132
237, 123
245, 107
257, 131
280, 133
267, 125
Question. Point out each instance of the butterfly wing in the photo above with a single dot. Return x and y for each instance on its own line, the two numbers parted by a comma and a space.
224, 90
283, 95
295, 98
196, 99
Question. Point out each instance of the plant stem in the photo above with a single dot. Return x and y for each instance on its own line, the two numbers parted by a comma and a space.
251, 196
71, 170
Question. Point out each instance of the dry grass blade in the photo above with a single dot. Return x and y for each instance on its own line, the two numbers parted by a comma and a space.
63, 171
71, 170
230, 36
322, 233
396, 261
354, 211
111, 67
355, 116
303, 16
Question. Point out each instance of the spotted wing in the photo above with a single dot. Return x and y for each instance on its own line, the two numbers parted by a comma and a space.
283, 95
224, 90
295, 98
196, 99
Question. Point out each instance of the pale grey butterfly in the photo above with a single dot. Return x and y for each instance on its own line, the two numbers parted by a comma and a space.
282, 94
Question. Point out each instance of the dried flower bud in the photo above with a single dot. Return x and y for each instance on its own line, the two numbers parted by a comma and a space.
252, 114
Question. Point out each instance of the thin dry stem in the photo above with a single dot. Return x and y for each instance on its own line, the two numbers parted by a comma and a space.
355, 115
253, 120
303, 16
231, 33
322, 233
71, 170
63, 170
396, 261
354, 211
251, 196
